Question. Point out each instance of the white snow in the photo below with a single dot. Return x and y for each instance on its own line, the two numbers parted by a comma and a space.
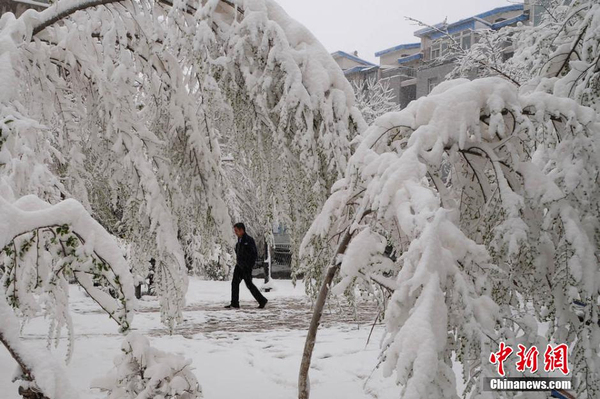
235, 353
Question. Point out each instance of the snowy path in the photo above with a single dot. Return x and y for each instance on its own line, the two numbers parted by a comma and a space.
247, 353
280, 314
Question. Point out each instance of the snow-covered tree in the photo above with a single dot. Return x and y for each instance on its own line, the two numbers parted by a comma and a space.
374, 98
125, 105
560, 55
488, 192
142, 371
513, 228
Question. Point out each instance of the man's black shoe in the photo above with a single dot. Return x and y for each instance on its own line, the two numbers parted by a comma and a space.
230, 306
263, 304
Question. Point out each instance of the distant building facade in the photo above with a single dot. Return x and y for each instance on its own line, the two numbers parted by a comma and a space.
412, 70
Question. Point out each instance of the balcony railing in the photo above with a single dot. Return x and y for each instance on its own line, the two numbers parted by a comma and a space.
403, 71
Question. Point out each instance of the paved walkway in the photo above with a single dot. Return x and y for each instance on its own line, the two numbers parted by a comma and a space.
280, 314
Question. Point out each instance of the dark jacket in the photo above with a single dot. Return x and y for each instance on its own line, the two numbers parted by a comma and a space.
246, 253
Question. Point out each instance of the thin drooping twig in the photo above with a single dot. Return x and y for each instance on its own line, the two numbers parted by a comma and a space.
373, 327
571, 52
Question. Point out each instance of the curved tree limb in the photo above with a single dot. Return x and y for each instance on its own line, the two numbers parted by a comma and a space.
58, 16
571, 52
311, 337
27, 374
44, 23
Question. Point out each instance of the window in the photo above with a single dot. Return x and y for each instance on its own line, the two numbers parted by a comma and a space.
443, 45
436, 49
463, 39
431, 83
465, 42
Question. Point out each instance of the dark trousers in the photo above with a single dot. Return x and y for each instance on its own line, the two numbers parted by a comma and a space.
240, 274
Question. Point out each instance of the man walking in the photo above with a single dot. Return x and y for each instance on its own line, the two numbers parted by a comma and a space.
246, 253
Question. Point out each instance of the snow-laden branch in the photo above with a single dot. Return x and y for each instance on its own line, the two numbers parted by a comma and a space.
39, 371
30, 214
62, 9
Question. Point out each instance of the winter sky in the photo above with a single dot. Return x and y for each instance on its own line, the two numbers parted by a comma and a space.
372, 25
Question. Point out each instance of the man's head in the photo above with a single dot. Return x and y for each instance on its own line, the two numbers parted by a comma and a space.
239, 229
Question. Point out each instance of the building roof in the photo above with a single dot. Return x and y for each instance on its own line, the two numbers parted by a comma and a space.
467, 21
410, 58
406, 46
352, 57
502, 24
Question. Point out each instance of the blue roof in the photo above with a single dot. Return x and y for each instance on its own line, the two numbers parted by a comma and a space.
498, 10
410, 58
352, 57
502, 24
406, 46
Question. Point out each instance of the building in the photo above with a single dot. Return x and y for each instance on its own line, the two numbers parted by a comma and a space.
355, 68
538, 8
414, 69
398, 67
18, 7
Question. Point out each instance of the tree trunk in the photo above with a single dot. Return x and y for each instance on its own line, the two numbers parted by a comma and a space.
303, 378
29, 393
269, 265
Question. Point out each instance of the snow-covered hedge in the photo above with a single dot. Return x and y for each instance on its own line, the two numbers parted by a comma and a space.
144, 372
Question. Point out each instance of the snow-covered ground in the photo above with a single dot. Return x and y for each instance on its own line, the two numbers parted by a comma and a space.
248, 353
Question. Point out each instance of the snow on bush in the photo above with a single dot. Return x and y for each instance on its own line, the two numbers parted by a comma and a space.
144, 372
43, 247
374, 98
